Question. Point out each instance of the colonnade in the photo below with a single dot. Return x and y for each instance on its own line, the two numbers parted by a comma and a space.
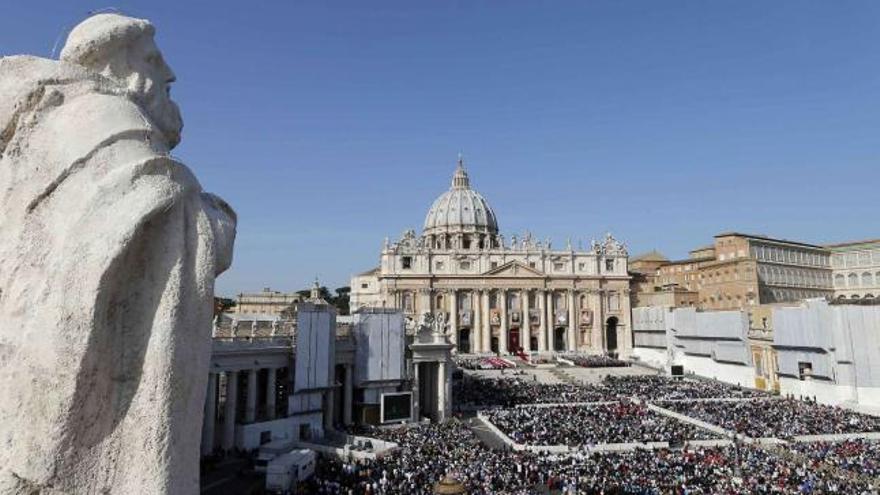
230, 407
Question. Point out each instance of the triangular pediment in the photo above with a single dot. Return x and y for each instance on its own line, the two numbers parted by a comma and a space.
514, 269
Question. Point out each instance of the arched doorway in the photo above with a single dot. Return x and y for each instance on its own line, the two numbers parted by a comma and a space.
559, 339
611, 334
464, 340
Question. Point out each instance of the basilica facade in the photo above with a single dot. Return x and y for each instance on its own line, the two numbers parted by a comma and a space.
497, 295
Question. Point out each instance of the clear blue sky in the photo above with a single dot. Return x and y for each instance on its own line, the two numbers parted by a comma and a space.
329, 125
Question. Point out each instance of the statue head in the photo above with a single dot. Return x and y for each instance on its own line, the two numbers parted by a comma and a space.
122, 48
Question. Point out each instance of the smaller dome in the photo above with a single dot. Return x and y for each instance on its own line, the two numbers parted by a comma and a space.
460, 209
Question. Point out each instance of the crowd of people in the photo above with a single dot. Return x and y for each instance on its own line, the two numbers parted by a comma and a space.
598, 361
482, 363
430, 452
860, 456
779, 418
472, 392
617, 422
657, 387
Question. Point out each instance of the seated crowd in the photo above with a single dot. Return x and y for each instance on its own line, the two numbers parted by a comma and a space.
508, 392
429, 452
598, 361
618, 422
857, 455
780, 418
656, 387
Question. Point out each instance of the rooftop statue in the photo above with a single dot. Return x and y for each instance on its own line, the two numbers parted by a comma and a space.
108, 253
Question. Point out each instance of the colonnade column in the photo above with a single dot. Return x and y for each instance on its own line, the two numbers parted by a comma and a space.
572, 321
551, 323
229, 410
441, 391
476, 322
415, 392
525, 327
270, 393
541, 297
348, 392
502, 335
487, 327
210, 415
250, 411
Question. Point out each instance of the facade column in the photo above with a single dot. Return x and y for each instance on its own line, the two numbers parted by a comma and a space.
210, 415
229, 410
349, 392
476, 322
453, 317
572, 321
525, 328
551, 323
441, 391
502, 335
485, 323
598, 320
250, 411
270, 393
541, 298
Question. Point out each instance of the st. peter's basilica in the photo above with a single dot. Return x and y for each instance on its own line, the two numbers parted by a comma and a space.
461, 269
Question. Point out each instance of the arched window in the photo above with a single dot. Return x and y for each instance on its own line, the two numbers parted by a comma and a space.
853, 280
867, 279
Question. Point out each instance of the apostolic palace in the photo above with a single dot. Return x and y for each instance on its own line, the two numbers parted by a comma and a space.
497, 295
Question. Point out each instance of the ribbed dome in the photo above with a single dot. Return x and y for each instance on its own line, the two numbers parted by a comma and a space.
460, 209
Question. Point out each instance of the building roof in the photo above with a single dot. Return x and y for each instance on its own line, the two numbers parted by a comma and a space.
373, 271
852, 243
771, 239
652, 255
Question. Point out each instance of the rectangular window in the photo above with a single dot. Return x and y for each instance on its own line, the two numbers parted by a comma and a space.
805, 370
438, 265
609, 265
465, 265
406, 261
582, 267
494, 264
364, 286
558, 266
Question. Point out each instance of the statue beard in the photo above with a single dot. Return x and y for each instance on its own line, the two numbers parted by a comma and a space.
160, 108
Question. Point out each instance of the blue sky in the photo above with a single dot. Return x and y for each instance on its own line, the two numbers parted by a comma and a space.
329, 125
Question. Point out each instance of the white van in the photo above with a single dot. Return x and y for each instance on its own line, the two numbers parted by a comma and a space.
285, 471
270, 451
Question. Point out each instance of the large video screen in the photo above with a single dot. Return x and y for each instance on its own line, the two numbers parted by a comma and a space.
396, 407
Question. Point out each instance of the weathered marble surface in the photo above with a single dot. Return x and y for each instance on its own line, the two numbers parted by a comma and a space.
108, 253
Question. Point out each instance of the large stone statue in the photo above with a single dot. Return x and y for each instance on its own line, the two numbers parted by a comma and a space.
108, 254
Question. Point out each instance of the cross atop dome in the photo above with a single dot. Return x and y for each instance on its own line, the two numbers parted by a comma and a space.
460, 178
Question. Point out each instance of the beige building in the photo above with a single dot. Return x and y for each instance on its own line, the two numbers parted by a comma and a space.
268, 302
856, 269
502, 295
741, 271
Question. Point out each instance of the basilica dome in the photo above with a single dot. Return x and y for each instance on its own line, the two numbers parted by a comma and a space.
460, 209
